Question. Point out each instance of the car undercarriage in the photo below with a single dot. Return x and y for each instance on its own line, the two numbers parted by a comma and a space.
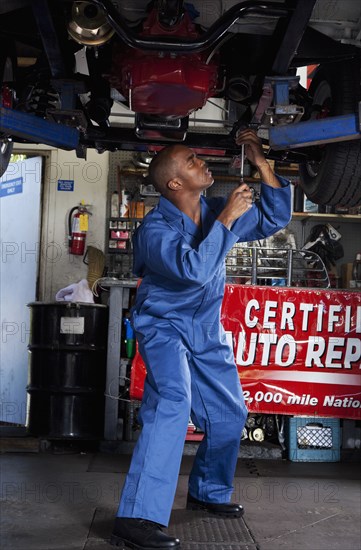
127, 75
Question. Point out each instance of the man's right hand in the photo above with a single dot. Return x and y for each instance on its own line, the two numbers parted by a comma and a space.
239, 201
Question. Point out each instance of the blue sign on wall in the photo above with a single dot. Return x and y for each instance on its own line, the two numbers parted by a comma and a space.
11, 187
65, 185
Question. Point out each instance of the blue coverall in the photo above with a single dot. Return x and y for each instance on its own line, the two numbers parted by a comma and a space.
190, 366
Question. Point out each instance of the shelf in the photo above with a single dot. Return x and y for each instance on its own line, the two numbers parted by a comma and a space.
129, 219
114, 281
304, 216
291, 172
119, 251
235, 179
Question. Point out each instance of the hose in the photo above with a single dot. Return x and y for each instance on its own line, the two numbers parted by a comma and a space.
70, 223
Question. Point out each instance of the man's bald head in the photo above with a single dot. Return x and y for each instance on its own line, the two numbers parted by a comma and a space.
163, 168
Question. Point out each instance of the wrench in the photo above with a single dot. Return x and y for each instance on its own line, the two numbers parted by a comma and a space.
238, 162
242, 165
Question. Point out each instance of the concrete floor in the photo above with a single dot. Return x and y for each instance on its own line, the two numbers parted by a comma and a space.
56, 500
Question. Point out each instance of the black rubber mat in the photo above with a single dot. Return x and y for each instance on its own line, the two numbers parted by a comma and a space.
200, 530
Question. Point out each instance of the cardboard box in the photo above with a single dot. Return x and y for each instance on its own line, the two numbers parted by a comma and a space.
346, 275
139, 212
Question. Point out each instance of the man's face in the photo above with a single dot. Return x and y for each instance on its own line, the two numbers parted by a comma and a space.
191, 170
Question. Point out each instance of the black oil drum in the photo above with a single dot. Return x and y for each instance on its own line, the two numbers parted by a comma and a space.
67, 370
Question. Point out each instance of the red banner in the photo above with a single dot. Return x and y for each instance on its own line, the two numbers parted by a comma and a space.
297, 350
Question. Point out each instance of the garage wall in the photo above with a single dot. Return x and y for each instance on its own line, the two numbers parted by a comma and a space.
58, 268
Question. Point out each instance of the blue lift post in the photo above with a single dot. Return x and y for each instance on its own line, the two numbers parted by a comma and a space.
38, 130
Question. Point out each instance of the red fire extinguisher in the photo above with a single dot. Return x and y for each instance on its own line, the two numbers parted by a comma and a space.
78, 227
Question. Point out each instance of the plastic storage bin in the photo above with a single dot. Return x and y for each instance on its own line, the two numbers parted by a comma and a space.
314, 439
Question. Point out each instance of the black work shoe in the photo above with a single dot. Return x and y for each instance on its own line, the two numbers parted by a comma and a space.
141, 534
227, 510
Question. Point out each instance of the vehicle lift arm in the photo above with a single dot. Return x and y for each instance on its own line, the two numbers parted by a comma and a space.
30, 128
316, 132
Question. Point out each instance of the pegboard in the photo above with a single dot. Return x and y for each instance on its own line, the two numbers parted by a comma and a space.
115, 159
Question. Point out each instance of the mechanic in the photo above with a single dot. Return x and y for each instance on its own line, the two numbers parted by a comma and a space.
180, 251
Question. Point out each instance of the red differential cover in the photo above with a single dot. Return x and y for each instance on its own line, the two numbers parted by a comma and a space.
164, 83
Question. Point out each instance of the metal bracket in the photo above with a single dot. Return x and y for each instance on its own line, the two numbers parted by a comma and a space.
276, 90
74, 118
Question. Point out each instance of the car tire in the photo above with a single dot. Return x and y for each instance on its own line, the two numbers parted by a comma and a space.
7, 72
335, 179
